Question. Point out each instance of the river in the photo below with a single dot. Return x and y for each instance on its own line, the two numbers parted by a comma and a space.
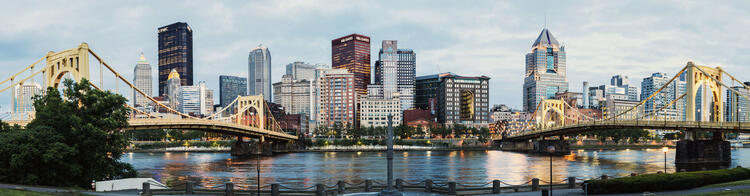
210, 170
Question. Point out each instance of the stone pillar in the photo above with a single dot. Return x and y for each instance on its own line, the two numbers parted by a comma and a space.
696, 154
275, 189
189, 188
452, 188
368, 185
428, 185
495, 186
399, 184
535, 184
320, 190
241, 148
561, 146
341, 187
230, 189
571, 182
146, 188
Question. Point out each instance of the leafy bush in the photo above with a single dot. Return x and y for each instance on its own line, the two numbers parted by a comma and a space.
666, 182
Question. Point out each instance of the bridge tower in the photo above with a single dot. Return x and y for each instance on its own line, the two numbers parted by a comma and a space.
74, 61
245, 103
557, 115
693, 154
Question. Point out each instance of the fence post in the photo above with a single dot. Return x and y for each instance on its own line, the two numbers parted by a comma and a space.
452, 188
428, 185
275, 189
571, 182
496, 186
368, 185
189, 188
545, 192
604, 177
320, 190
340, 186
146, 188
399, 184
230, 189
534, 184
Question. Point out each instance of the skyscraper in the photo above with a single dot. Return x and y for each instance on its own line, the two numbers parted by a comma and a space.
352, 52
259, 72
175, 52
651, 84
545, 71
737, 108
229, 88
174, 90
337, 98
197, 100
23, 106
142, 80
395, 73
304, 71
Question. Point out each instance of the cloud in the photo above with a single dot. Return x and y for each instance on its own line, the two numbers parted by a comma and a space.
603, 38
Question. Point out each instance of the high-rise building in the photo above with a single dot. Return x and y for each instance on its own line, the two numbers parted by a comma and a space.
586, 98
337, 98
259, 72
460, 99
619, 88
174, 87
229, 88
651, 84
395, 73
304, 71
374, 112
24, 102
197, 100
175, 52
737, 107
352, 52
293, 95
545, 71
142, 80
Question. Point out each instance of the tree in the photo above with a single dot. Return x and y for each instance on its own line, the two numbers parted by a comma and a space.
71, 141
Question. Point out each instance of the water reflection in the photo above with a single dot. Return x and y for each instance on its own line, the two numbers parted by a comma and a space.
212, 170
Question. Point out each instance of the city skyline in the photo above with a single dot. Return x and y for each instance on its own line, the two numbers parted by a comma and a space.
602, 44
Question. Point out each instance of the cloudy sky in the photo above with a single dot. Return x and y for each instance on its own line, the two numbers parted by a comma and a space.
602, 38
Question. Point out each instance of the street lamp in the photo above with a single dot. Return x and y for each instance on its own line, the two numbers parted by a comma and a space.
665, 149
551, 150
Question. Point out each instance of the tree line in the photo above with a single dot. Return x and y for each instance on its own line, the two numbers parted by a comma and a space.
402, 131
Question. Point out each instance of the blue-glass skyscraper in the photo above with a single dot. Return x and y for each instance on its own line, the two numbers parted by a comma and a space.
545, 71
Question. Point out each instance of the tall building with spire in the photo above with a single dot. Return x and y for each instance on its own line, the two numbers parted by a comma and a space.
174, 87
545, 71
259, 72
142, 80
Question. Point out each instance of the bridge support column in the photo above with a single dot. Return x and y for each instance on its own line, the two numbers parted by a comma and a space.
561, 146
694, 155
241, 148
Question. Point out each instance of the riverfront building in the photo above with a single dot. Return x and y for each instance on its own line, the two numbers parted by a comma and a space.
374, 112
352, 52
196, 100
174, 87
739, 106
175, 52
142, 80
259, 72
337, 99
229, 88
545, 71
460, 99
293, 95
395, 73
23, 105
651, 84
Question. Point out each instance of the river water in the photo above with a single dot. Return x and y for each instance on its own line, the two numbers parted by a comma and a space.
210, 170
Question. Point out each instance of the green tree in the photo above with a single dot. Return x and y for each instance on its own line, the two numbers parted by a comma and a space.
71, 141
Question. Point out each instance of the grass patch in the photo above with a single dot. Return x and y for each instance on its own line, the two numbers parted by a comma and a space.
723, 193
726, 184
666, 182
13, 192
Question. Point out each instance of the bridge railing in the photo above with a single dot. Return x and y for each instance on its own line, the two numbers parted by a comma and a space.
666, 124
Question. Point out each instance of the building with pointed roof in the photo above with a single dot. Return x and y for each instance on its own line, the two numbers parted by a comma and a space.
545, 71
143, 81
174, 91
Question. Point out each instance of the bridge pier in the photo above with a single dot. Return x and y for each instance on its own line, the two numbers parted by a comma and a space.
247, 148
693, 155
537, 146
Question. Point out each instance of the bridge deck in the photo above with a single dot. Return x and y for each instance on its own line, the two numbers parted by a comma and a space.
195, 124
741, 127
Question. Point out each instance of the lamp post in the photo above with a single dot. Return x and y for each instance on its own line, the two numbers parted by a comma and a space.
389, 190
665, 149
551, 150
257, 165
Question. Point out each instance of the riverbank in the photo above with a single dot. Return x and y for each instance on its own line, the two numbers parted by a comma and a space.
617, 147
395, 147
